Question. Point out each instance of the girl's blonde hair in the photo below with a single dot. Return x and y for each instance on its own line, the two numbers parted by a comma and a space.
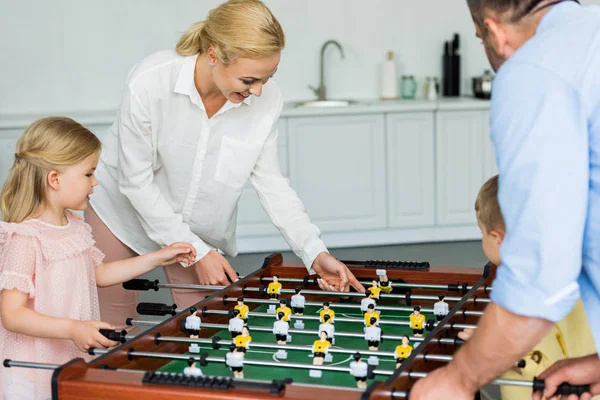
237, 28
48, 144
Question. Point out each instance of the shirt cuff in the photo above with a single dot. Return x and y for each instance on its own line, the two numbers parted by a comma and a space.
311, 251
530, 301
202, 249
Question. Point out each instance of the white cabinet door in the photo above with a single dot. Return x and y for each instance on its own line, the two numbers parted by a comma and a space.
489, 162
410, 171
462, 158
337, 166
252, 219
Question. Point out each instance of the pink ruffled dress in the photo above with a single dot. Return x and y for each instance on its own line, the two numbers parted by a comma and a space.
55, 266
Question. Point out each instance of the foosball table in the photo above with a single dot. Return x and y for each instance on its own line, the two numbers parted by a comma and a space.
172, 359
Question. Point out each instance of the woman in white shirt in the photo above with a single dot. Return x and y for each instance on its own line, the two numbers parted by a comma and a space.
194, 125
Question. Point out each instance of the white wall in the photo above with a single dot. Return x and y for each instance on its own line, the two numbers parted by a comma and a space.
74, 55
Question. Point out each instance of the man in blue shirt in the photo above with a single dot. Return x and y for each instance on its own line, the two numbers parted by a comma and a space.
545, 125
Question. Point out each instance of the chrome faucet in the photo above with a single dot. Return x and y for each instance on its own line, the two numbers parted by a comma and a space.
321, 92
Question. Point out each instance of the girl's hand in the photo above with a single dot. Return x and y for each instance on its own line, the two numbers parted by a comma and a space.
86, 334
177, 252
214, 269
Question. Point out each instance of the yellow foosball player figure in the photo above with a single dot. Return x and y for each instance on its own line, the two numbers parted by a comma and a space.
402, 351
243, 340
375, 290
359, 370
274, 288
384, 282
320, 348
283, 308
243, 309
371, 313
416, 322
327, 311
569, 338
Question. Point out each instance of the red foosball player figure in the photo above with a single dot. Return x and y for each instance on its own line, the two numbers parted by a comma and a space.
283, 308
243, 309
243, 340
274, 288
441, 308
373, 335
370, 314
236, 324
375, 290
416, 322
191, 369
327, 311
359, 370
402, 351
235, 360
384, 282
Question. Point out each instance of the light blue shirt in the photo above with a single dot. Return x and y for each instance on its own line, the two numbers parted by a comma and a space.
545, 125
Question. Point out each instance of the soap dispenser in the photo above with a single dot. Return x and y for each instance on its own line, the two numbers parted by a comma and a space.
389, 78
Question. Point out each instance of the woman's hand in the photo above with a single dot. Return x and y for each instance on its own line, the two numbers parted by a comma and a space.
177, 252
334, 276
214, 269
86, 334
466, 334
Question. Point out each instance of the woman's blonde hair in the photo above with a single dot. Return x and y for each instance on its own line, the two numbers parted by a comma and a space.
237, 28
48, 144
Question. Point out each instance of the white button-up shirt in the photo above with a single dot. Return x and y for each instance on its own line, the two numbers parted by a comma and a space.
168, 173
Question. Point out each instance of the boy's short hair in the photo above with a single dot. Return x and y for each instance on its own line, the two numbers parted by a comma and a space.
487, 207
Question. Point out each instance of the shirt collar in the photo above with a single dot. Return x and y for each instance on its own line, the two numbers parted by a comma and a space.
555, 14
185, 85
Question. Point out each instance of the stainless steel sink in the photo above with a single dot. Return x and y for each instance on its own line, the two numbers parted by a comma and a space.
324, 103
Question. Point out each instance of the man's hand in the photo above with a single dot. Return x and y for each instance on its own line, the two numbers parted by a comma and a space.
576, 371
214, 269
466, 334
334, 276
441, 383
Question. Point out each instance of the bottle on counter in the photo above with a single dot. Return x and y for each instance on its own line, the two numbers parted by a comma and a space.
432, 89
409, 87
389, 78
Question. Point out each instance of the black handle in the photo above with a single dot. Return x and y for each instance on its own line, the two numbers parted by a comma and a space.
563, 388
141, 284
156, 309
117, 336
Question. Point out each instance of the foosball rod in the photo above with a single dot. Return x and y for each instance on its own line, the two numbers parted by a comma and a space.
456, 341
35, 365
451, 287
158, 309
218, 341
204, 358
146, 284
351, 306
536, 385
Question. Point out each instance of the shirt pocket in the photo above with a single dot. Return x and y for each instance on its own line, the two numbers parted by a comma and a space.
236, 161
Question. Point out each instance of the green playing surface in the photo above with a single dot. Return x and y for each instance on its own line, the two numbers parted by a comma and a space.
305, 357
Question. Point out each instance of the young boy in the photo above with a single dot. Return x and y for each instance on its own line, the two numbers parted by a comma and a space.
570, 337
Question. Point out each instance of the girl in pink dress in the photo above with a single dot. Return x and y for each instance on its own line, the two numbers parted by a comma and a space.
49, 267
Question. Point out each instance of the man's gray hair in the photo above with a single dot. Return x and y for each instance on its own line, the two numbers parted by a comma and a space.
516, 9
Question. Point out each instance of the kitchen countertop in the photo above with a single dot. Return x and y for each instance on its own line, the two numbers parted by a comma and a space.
107, 117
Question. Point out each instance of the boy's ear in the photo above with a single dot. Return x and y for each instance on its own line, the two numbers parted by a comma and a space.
53, 180
498, 235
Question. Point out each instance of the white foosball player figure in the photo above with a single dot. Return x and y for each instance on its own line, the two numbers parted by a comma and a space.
280, 329
373, 335
359, 370
235, 324
329, 328
235, 360
364, 303
191, 369
441, 308
298, 301
192, 326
